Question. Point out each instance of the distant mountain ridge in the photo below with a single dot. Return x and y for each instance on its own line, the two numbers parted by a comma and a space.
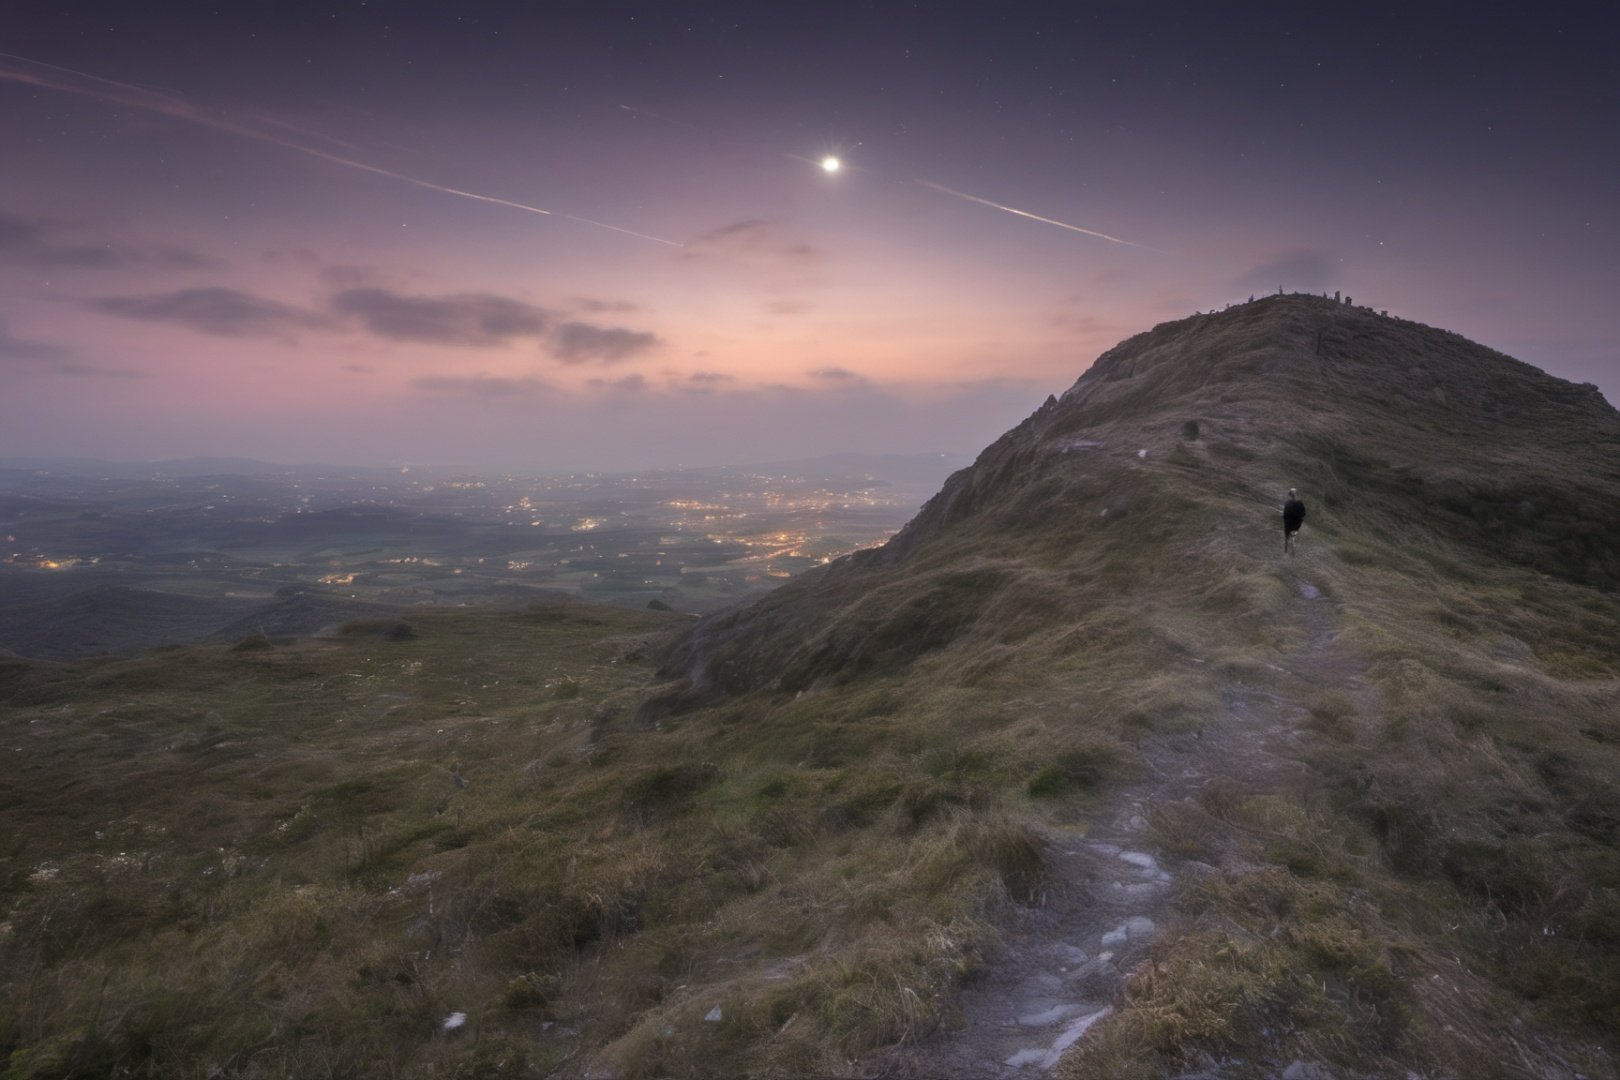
890, 466
112, 619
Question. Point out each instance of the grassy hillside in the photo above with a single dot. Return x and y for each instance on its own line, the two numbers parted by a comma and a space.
786, 852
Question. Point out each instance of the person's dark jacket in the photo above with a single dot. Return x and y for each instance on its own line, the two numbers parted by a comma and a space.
1293, 515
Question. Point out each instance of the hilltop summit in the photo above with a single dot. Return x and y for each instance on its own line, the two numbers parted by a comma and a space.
1179, 441
1415, 715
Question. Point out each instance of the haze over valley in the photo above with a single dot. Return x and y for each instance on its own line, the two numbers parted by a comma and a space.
103, 558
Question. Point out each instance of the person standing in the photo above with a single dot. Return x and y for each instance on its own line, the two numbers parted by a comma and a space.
1293, 517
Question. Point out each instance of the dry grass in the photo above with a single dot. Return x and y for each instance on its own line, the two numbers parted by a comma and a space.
300, 859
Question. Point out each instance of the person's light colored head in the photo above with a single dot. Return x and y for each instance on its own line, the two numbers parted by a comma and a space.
1292, 492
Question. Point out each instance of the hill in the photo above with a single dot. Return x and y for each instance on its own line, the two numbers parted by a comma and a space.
107, 618
1414, 442
53, 620
1078, 772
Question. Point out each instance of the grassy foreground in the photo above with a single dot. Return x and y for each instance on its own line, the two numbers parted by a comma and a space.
790, 849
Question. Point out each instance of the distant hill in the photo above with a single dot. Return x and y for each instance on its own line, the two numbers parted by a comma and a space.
904, 469
111, 619
299, 616
114, 619
179, 468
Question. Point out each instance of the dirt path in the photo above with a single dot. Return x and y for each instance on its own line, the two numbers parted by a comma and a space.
1064, 962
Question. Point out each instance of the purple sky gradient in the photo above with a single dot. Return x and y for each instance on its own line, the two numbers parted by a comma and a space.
312, 232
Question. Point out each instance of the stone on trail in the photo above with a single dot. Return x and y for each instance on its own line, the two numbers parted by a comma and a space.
1071, 1035
1049, 1016
1304, 1070
1026, 1057
1048, 1056
1139, 859
1069, 954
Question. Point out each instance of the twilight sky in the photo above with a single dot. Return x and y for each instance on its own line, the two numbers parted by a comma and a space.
540, 236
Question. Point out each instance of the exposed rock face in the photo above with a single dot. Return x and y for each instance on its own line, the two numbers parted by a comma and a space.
1432, 434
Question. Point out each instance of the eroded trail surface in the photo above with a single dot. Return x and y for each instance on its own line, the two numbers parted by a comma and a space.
1064, 960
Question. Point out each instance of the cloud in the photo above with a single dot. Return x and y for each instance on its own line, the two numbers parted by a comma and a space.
630, 384
591, 304
1084, 325
348, 277
92, 371
787, 307
477, 319
1296, 270
216, 310
753, 241
702, 382
359, 369
839, 375
12, 348
747, 231
484, 386
295, 256
43, 357
44, 241
579, 343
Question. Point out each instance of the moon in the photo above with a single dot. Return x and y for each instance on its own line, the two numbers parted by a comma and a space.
830, 164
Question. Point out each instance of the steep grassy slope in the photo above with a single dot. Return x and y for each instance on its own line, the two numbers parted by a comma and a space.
1119, 553
792, 851
1404, 438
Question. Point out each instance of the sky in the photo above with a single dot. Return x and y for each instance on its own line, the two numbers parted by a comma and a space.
543, 237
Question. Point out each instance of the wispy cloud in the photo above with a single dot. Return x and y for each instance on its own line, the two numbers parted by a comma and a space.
43, 241
836, 375
476, 319
217, 310
753, 240
482, 386
701, 382
41, 357
629, 384
580, 343
14, 348
598, 306
95, 371
1297, 269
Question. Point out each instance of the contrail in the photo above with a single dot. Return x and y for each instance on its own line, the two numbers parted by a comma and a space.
178, 108
845, 167
1036, 217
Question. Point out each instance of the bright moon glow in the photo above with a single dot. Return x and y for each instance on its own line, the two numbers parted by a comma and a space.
830, 164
